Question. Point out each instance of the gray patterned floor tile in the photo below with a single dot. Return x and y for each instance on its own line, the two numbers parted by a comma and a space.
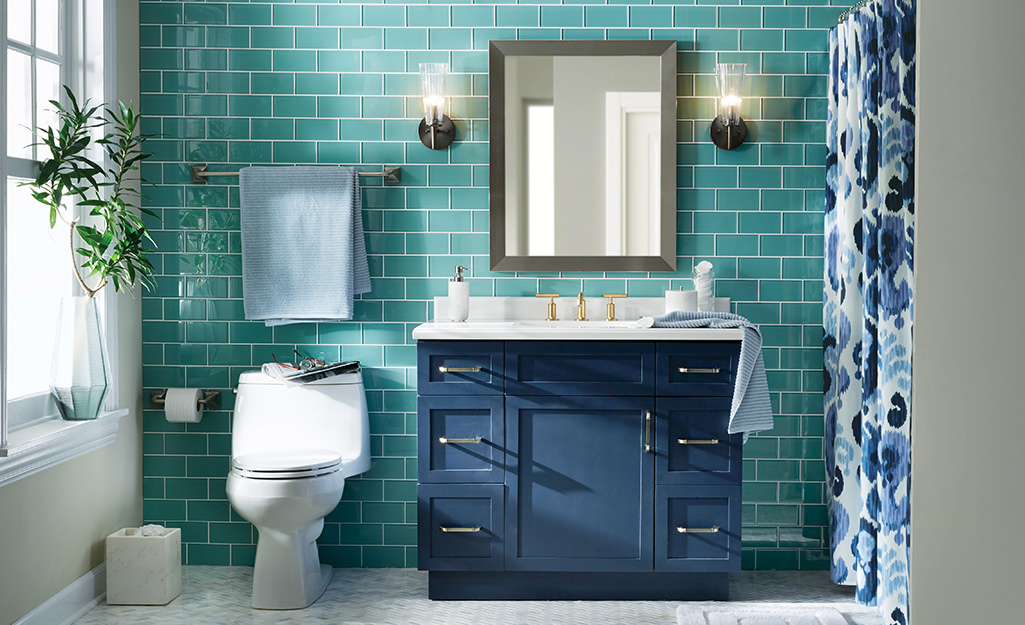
220, 595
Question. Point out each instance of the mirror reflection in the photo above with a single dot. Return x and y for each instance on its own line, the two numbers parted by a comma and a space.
583, 155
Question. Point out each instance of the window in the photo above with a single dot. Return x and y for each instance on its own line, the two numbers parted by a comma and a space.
42, 44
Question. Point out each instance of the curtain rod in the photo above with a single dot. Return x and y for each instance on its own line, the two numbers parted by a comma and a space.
854, 8
391, 175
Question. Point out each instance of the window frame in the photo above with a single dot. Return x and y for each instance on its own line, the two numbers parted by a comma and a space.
32, 434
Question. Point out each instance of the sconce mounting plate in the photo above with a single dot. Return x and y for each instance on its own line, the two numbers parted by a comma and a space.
438, 136
728, 136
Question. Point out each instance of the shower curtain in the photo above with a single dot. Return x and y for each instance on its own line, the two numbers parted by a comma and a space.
869, 277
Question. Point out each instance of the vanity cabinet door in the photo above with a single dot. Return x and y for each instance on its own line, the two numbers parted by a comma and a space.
460, 527
580, 484
692, 443
697, 528
697, 368
462, 439
579, 368
460, 368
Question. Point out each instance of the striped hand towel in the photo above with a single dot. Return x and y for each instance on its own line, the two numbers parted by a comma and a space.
751, 410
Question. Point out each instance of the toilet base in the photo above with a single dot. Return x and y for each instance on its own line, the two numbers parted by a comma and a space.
287, 574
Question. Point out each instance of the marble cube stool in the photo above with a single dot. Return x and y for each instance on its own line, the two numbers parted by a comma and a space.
143, 570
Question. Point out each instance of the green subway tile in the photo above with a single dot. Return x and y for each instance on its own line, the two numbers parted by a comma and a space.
180, 36
231, 533
163, 510
522, 16
711, 222
289, 106
694, 16
803, 223
805, 41
782, 245
428, 16
251, 151
361, 38
317, 38
818, 63
716, 39
824, 17
776, 560
736, 245
406, 38
227, 37
740, 17
230, 355
384, 15
337, 15
249, 14
715, 177
150, 58
562, 16
802, 268
346, 152
249, 60
206, 60
200, 554
781, 290
205, 13
785, 17
476, 16
804, 177
783, 63
736, 200
338, 61
651, 16
469, 243
163, 466
295, 152
316, 129
206, 105
273, 37
401, 490
760, 177
760, 222
320, 84
804, 86
295, 60
294, 15
384, 556
606, 16
272, 83
160, 13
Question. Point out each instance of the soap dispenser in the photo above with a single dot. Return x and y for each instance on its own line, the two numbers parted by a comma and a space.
458, 296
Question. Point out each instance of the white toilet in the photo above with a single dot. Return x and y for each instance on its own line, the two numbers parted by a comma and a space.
291, 449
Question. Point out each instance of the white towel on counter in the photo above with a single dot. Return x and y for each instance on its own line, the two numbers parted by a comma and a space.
751, 410
303, 253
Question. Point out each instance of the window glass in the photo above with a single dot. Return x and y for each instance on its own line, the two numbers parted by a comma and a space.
19, 109
38, 274
19, 20
48, 87
47, 25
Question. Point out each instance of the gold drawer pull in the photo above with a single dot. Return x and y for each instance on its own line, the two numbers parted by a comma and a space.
698, 530
444, 369
699, 370
698, 441
460, 530
446, 441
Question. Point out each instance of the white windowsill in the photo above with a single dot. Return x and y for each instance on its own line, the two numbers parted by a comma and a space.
50, 442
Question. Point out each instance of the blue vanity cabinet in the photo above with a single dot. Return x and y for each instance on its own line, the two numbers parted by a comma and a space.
562, 474
580, 483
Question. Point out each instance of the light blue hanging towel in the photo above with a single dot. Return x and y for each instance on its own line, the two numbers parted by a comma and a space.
751, 410
303, 253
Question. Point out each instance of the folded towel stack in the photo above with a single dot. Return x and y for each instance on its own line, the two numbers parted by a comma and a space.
303, 254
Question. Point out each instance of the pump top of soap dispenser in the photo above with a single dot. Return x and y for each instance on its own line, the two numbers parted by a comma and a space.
459, 273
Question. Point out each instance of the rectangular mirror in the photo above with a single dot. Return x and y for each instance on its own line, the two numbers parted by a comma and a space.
583, 155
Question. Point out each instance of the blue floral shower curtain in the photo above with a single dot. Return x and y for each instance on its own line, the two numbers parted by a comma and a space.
868, 300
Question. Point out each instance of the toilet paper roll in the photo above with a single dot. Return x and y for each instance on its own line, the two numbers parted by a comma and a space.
681, 300
181, 405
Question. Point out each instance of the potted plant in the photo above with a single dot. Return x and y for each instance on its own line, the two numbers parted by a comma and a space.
97, 205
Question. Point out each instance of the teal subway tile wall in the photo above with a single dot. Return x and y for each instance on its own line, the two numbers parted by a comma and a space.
232, 84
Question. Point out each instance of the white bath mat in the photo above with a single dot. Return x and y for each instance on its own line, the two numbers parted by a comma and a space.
756, 615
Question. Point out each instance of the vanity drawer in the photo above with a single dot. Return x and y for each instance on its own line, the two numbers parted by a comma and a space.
462, 438
697, 528
460, 368
697, 369
692, 443
460, 527
579, 368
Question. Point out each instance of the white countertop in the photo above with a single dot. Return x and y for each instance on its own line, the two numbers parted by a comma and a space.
565, 331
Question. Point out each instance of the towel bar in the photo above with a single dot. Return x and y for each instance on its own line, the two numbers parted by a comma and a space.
391, 175
211, 399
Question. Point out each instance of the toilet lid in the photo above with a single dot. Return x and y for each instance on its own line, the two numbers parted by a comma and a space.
280, 465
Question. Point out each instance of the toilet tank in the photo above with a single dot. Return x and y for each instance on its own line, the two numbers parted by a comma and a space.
328, 413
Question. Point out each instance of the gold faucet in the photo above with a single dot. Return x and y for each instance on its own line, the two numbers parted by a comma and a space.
551, 305
581, 307
610, 309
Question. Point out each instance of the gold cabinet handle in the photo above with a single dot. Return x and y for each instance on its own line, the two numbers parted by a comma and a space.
698, 530
460, 530
446, 441
444, 369
698, 441
647, 431
699, 370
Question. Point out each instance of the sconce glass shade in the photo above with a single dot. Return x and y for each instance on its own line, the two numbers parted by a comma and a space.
436, 130
728, 128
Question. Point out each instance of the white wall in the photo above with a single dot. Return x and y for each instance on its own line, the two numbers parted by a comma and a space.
53, 523
968, 430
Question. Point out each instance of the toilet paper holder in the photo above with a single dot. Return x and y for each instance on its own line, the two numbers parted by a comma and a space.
211, 400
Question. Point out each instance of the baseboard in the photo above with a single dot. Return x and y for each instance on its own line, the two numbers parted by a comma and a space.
71, 602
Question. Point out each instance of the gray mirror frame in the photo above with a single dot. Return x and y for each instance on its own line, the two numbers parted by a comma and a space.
497, 51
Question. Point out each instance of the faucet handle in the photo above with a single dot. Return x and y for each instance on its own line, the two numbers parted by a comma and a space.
551, 305
610, 309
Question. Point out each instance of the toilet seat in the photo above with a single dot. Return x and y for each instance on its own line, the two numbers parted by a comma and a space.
286, 465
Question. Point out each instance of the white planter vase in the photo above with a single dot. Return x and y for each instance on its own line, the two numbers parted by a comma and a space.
80, 375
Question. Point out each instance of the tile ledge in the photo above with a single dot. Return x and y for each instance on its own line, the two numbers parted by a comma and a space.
51, 442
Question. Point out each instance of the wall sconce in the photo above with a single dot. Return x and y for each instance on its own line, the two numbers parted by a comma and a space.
436, 129
728, 128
